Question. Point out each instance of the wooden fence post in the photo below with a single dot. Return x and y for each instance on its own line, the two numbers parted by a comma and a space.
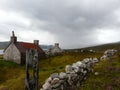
31, 81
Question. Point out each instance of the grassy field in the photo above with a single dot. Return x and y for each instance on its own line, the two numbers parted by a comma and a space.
12, 75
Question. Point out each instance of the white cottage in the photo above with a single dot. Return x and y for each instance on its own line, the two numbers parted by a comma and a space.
16, 51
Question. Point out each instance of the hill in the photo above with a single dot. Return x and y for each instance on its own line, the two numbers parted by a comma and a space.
102, 47
46, 47
99, 48
105, 46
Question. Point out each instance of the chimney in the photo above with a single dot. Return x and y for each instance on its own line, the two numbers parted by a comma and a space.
56, 44
36, 42
13, 38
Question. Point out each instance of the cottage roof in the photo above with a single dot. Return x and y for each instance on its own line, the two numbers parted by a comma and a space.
23, 46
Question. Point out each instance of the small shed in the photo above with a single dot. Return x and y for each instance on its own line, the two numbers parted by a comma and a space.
16, 51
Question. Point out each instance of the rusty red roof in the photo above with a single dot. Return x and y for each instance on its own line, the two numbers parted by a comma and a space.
23, 46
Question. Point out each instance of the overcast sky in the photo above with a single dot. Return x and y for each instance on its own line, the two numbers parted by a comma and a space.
71, 23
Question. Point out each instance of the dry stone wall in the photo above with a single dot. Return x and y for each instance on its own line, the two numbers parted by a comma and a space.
74, 74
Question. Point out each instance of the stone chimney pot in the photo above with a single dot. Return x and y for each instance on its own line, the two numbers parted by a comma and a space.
36, 42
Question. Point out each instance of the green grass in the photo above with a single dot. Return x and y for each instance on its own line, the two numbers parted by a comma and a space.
12, 75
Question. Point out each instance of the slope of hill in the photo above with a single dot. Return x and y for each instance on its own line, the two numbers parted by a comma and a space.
99, 48
109, 71
102, 47
105, 46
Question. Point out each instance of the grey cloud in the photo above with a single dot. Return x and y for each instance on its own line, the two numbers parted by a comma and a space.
74, 23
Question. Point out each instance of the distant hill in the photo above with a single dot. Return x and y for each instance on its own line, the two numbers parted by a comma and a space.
46, 47
3, 45
102, 47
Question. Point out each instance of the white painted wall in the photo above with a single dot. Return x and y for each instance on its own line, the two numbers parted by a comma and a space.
12, 54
